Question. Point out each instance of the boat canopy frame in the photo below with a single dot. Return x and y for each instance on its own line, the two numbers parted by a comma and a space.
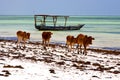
43, 22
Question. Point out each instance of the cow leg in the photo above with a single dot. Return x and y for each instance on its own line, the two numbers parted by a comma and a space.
78, 48
68, 47
42, 42
45, 43
85, 52
18, 42
72, 47
48, 43
24, 44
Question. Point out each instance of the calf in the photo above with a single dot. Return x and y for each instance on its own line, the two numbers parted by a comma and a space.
84, 40
46, 38
70, 41
22, 36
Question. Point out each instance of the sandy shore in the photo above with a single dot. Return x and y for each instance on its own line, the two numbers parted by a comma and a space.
56, 63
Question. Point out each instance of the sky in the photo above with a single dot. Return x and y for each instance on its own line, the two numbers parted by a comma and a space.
60, 7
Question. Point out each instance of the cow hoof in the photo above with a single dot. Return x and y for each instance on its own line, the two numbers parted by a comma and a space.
44, 48
24, 47
84, 53
69, 50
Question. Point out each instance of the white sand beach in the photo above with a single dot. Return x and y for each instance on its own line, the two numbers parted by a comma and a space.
56, 63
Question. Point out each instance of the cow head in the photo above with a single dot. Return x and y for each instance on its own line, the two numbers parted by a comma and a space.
28, 35
89, 39
51, 33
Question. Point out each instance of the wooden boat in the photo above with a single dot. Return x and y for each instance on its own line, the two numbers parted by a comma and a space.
41, 20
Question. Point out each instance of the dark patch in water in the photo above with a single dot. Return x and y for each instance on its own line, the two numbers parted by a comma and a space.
8, 38
111, 48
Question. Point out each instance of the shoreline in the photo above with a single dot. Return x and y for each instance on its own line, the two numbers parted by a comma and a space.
115, 51
63, 43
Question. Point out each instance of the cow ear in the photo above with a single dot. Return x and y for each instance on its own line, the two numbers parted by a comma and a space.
93, 38
24, 32
28, 34
86, 36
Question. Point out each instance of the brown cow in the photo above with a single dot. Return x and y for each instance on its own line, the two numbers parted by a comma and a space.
84, 40
22, 36
70, 41
46, 38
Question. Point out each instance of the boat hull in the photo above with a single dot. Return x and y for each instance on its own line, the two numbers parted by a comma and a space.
59, 28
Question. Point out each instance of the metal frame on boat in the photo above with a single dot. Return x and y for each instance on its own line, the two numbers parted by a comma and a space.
40, 23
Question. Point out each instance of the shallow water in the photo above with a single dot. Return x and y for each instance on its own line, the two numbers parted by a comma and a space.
105, 29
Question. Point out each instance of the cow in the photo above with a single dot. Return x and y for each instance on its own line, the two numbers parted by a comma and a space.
70, 41
22, 36
85, 41
46, 38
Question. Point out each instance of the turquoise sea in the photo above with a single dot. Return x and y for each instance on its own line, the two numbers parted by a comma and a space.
105, 29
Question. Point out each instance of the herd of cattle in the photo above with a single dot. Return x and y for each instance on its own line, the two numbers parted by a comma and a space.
71, 41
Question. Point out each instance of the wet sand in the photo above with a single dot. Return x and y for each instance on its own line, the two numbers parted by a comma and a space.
97, 64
